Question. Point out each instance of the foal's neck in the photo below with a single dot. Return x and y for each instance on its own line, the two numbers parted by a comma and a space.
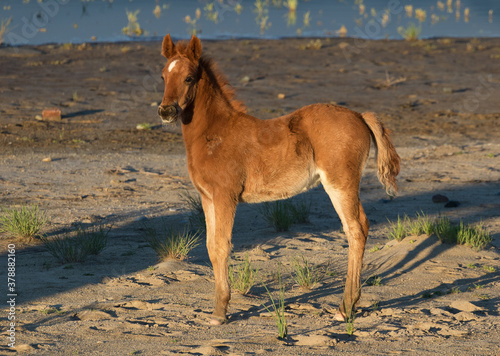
211, 104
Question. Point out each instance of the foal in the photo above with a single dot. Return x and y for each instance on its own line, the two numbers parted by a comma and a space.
234, 157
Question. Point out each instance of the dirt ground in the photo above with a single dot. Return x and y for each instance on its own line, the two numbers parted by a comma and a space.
94, 166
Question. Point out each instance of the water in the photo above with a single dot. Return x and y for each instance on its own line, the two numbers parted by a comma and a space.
77, 21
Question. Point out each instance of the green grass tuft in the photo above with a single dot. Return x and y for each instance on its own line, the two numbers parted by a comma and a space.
196, 214
242, 276
278, 308
26, 222
76, 246
306, 275
277, 214
282, 214
169, 243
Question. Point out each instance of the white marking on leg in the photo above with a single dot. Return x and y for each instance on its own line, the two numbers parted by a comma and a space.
172, 65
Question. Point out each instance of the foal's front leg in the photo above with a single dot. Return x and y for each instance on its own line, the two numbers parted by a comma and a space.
219, 217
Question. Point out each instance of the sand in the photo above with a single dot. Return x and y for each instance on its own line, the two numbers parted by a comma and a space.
94, 166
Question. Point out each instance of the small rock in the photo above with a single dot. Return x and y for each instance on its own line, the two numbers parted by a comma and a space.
438, 198
245, 79
281, 96
47, 159
465, 316
452, 204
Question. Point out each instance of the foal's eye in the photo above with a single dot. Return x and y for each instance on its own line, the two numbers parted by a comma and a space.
188, 79
162, 78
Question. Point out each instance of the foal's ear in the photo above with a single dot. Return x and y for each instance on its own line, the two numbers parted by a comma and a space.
168, 47
194, 48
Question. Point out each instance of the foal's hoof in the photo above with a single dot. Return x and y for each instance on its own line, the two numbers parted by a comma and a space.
217, 321
339, 316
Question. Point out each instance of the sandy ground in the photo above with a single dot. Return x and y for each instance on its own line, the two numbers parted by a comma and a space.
95, 167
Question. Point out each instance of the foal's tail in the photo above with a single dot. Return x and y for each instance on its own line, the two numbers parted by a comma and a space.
387, 158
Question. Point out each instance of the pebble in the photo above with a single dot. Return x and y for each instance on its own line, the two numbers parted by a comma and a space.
452, 204
438, 198
47, 159
281, 96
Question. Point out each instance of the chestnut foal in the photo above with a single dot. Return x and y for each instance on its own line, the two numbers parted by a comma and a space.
233, 157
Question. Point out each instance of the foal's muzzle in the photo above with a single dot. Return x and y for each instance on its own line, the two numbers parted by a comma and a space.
168, 114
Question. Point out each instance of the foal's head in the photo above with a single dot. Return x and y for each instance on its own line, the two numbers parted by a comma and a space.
181, 75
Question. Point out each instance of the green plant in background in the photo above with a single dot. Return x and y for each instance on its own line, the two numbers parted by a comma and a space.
278, 307
26, 222
282, 214
304, 274
4, 28
475, 236
196, 214
76, 246
398, 230
133, 28
300, 211
410, 33
242, 276
169, 243
277, 214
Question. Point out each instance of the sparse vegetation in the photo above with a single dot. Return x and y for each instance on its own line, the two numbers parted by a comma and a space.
277, 214
398, 230
196, 215
410, 33
4, 28
169, 243
475, 236
26, 222
278, 308
305, 274
374, 281
283, 214
242, 276
77, 245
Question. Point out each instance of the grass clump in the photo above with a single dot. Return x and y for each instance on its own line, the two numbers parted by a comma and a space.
283, 214
196, 214
306, 275
26, 222
242, 277
475, 236
278, 215
374, 281
78, 245
172, 244
399, 230
278, 308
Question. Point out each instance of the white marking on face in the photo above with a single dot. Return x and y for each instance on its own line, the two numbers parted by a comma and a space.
172, 65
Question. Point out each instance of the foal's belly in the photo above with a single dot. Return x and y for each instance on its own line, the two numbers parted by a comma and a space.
283, 185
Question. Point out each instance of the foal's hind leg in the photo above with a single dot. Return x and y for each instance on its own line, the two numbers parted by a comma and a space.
351, 213
219, 217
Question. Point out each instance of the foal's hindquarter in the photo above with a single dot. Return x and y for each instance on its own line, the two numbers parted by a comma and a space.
241, 158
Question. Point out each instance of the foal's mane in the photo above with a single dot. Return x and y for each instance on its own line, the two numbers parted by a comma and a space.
216, 78
220, 81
